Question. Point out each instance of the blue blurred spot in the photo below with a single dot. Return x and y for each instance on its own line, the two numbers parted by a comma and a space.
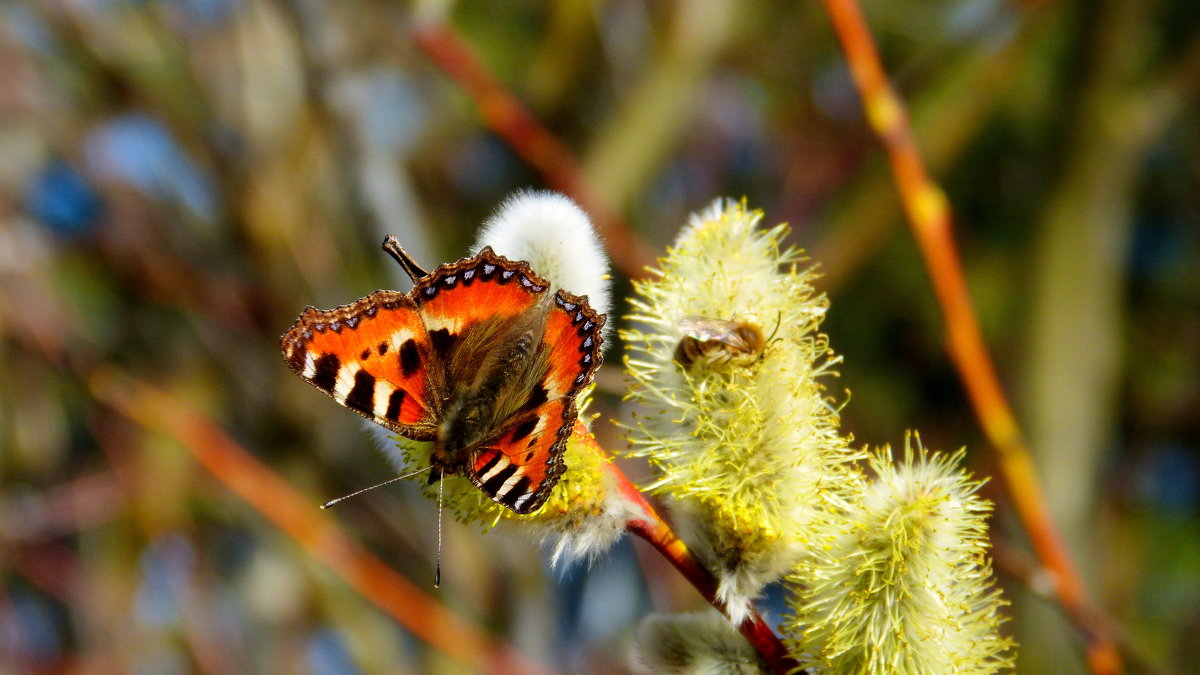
31, 627
773, 604
166, 570
834, 94
62, 200
140, 150
393, 114
975, 19
207, 13
29, 29
327, 654
1160, 249
1168, 480
483, 166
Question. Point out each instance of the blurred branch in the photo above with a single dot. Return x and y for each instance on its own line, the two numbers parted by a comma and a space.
946, 117
929, 215
303, 521
513, 122
1015, 562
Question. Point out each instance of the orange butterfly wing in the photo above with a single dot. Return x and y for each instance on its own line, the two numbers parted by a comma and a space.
521, 464
370, 356
520, 467
484, 286
573, 335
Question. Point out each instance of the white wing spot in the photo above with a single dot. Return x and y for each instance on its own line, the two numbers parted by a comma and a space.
511, 482
383, 391
500, 464
452, 324
345, 381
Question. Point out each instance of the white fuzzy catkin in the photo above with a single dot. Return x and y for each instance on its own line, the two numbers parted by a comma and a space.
556, 238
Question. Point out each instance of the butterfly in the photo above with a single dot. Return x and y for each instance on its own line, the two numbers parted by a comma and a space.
480, 358
716, 342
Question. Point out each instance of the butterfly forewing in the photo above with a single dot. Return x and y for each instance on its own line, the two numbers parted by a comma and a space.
460, 295
368, 356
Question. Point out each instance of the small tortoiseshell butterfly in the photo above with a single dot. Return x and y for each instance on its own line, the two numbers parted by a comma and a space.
479, 358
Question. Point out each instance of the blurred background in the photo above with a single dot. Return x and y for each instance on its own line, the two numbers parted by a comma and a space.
179, 178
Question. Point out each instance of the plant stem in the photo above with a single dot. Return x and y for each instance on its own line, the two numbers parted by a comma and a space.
659, 534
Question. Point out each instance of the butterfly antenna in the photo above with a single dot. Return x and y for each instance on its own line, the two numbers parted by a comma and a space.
437, 568
331, 502
392, 246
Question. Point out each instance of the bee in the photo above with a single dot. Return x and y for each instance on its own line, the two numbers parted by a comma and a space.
717, 342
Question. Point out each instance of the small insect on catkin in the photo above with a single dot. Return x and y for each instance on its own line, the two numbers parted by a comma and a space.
726, 364
713, 343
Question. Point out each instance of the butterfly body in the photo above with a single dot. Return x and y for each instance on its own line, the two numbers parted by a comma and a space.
480, 358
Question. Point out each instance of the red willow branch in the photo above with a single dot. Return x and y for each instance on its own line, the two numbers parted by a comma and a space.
504, 114
930, 218
658, 534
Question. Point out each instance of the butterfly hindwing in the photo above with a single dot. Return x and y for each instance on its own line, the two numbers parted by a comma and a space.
522, 463
371, 357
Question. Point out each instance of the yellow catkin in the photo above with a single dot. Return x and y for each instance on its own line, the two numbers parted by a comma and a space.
907, 586
746, 440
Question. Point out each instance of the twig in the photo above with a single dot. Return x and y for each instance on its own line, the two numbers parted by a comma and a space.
929, 216
658, 534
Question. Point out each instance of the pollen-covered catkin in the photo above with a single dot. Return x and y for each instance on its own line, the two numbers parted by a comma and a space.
748, 449
907, 586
